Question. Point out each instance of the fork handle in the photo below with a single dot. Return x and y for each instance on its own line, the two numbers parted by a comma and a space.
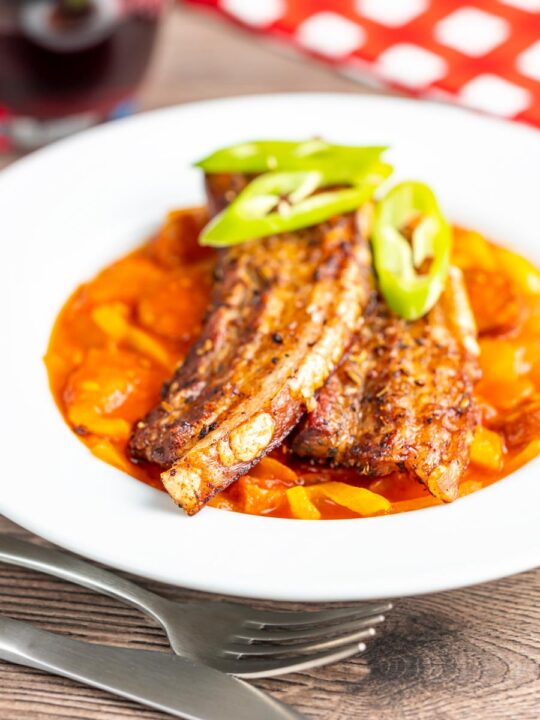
70, 568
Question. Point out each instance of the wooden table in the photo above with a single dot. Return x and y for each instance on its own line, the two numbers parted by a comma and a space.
464, 655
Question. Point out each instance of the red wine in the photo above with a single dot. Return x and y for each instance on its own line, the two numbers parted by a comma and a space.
60, 58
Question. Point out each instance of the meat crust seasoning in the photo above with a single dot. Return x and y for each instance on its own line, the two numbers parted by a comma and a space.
284, 311
403, 398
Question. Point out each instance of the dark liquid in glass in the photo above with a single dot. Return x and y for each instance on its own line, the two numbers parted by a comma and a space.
66, 57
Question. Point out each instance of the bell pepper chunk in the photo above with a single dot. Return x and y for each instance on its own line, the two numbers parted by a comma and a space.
531, 451
415, 504
301, 505
270, 468
472, 251
257, 497
487, 449
113, 320
359, 500
397, 261
85, 415
467, 487
522, 272
106, 451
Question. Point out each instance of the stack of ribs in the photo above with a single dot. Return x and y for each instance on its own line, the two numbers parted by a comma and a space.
297, 340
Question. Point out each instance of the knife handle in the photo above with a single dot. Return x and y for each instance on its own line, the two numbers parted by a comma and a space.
121, 671
24, 644
59, 564
18, 643
159, 680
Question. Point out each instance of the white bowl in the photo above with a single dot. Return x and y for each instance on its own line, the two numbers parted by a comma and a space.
72, 207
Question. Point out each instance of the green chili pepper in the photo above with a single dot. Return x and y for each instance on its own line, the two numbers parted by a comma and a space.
408, 292
283, 202
342, 161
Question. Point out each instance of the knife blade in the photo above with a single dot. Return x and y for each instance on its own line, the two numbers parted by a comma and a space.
160, 680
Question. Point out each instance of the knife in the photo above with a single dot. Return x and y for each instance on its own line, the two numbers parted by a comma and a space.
160, 680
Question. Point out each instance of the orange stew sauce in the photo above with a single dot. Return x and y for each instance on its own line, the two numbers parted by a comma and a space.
120, 336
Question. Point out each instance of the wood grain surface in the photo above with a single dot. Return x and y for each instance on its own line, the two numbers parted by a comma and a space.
468, 654
463, 655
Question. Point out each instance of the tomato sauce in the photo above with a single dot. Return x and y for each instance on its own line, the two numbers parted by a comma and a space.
119, 337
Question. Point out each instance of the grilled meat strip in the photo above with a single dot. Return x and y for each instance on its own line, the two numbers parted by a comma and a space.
402, 400
284, 310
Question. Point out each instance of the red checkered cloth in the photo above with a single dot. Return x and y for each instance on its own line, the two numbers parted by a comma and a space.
484, 54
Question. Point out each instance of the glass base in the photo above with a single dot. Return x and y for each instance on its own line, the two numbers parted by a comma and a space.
26, 133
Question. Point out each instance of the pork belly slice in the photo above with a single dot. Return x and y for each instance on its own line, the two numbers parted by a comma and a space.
402, 400
284, 310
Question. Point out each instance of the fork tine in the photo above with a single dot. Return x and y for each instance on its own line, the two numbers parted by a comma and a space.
259, 667
293, 651
268, 618
269, 635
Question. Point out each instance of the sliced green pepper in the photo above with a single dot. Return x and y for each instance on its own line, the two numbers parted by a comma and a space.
409, 293
342, 161
283, 202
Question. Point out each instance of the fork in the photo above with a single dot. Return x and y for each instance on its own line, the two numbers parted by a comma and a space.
231, 637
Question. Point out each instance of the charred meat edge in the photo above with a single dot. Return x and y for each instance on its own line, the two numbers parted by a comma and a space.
283, 312
402, 400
